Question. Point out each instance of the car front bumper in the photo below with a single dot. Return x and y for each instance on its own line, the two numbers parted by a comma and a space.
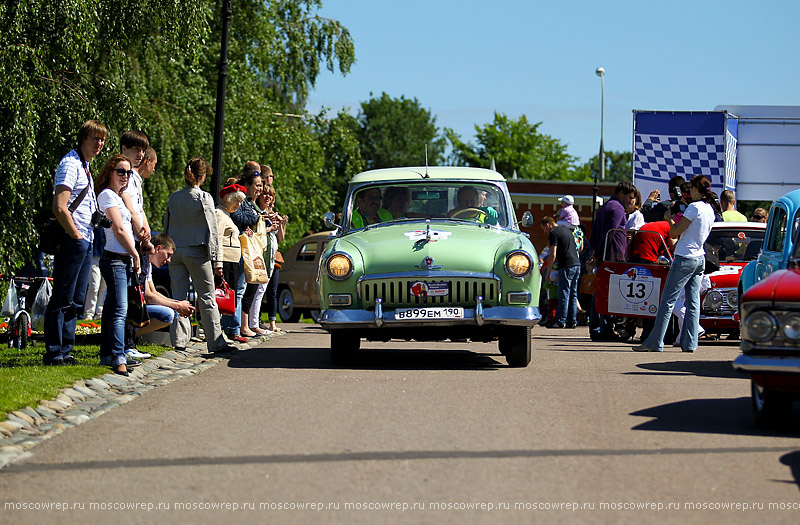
767, 364
376, 319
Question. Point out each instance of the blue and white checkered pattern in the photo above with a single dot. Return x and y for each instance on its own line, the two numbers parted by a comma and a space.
661, 157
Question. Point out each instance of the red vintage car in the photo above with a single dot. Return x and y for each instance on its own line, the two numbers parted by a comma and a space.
770, 311
737, 243
633, 289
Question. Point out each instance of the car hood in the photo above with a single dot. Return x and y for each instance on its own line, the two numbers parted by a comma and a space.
408, 247
782, 286
727, 276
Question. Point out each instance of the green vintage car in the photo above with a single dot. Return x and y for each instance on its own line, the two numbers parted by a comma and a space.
429, 254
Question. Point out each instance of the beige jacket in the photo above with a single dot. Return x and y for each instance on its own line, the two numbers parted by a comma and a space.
230, 247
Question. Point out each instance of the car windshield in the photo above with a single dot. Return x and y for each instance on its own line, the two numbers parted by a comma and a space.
736, 245
467, 201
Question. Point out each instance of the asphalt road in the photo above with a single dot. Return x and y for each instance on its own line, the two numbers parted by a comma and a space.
435, 433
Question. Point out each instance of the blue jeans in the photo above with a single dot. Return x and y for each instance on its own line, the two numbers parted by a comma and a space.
115, 310
567, 311
232, 324
162, 313
685, 273
72, 266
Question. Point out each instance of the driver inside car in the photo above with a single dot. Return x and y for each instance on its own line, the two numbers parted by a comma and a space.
469, 205
369, 209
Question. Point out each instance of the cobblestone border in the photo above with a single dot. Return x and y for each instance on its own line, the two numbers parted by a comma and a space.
88, 398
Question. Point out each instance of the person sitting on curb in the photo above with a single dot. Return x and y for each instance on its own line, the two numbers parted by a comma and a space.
160, 308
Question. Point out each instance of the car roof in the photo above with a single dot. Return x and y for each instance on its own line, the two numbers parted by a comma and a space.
433, 173
730, 225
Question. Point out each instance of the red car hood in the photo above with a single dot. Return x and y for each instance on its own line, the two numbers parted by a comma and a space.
782, 286
727, 276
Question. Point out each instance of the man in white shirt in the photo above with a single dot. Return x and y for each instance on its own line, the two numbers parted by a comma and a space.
73, 258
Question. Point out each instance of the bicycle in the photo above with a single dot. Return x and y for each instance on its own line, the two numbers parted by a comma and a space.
19, 324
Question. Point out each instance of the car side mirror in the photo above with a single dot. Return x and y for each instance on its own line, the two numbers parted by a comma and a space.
328, 219
527, 219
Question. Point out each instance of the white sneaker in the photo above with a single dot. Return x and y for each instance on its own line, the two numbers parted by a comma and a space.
132, 352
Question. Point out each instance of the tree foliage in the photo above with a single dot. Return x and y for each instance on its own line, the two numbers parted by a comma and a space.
515, 146
619, 167
152, 65
394, 132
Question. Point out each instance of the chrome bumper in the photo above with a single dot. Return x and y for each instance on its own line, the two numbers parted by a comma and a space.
780, 365
495, 315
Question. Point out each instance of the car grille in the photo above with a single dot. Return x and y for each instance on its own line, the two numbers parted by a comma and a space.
462, 292
724, 309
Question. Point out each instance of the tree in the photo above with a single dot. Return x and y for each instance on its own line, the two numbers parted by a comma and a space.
339, 141
394, 132
514, 145
152, 65
619, 167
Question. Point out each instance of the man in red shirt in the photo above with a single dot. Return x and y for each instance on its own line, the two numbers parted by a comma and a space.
649, 242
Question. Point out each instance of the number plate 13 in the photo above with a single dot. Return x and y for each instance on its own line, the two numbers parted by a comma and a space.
634, 296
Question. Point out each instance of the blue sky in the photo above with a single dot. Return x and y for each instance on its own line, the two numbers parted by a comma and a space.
465, 59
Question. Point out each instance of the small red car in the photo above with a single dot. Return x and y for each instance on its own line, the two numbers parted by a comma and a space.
631, 289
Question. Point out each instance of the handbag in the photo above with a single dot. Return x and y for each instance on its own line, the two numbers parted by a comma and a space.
226, 299
279, 260
712, 259
137, 307
255, 269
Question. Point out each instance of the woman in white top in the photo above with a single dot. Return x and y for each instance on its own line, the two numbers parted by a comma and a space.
686, 271
635, 217
118, 260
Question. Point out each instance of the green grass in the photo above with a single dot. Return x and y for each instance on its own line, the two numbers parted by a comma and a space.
24, 380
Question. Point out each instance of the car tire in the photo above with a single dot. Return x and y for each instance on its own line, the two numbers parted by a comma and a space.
289, 314
344, 345
515, 344
771, 409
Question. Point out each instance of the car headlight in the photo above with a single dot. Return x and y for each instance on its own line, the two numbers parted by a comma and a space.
518, 264
339, 266
761, 326
733, 298
713, 300
790, 327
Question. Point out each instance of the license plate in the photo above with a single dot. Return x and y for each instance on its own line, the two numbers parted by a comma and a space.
439, 312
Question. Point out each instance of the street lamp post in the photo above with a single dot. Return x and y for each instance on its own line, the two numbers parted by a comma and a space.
219, 120
600, 72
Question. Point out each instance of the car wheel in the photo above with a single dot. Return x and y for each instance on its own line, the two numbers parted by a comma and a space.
515, 344
163, 290
770, 408
315, 315
289, 314
344, 345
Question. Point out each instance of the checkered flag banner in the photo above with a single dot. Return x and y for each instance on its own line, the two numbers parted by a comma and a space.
667, 144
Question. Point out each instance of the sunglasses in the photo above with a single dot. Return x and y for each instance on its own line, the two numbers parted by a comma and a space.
122, 172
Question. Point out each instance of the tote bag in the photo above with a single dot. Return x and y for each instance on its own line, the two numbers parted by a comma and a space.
255, 269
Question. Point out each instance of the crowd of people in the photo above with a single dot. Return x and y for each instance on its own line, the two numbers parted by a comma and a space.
108, 251
674, 229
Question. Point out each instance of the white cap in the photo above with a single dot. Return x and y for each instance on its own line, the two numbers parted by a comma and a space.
568, 199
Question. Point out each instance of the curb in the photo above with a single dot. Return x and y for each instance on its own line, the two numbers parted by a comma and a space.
88, 398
